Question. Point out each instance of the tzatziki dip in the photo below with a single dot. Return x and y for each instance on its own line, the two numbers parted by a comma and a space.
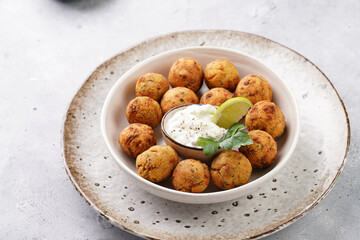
192, 122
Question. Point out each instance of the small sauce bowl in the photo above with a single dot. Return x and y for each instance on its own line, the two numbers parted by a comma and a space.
184, 151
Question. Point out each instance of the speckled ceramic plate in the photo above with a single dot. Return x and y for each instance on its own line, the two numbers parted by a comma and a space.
305, 180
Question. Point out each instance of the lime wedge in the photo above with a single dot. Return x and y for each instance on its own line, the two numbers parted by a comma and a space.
231, 111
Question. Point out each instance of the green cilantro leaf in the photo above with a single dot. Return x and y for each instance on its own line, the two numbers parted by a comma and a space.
234, 137
209, 146
241, 139
234, 129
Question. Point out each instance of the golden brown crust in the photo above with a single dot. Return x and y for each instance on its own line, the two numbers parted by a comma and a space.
144, 110
266, 116
230, 169
255, 88
152, 85
191, 175
186, 72
221, 73
216, 96
262, 153
136, 138
157, 163
176, 97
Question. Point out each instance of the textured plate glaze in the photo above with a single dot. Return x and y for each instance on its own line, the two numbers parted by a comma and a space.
305, 180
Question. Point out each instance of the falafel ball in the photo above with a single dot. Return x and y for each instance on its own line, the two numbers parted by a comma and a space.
157, 163
230, 169
186, 72
216, 96
263, 151
266, 116
152, 85
136, 138
176, 97
144, 110
255, 88
191, 175
221, 73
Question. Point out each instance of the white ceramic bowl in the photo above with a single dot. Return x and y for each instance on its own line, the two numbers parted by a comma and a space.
113, 120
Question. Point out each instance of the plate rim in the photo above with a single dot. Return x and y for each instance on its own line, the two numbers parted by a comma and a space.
215, 31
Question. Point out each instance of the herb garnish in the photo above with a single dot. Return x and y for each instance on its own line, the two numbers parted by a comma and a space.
234, 137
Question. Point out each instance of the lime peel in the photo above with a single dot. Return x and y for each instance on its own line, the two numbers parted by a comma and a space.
231, 111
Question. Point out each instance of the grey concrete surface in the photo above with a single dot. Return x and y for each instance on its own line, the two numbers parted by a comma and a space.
49, 47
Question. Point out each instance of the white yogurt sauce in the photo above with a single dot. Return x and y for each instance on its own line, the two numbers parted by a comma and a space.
192, 122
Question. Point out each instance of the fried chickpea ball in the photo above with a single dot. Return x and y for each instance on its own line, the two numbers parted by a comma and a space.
266, 116
191, 176
255, 88
157, 163
136, 138
221, 73
230, 169
176, 97
144, 110
263, 151
152, 85
216, 96
186, 72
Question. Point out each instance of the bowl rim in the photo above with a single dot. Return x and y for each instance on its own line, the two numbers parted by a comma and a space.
224, 195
